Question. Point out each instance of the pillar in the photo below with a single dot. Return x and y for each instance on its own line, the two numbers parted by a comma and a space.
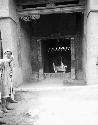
72, 59
92, 42
8, 25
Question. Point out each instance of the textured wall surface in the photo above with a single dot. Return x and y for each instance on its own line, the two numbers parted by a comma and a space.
92, 5
92, 48
4, 8
92, 42
8, 34
25, 51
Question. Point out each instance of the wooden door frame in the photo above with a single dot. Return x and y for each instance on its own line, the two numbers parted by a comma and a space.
1, 49
73, 60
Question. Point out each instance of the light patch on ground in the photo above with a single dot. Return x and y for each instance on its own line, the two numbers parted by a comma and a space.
65, 106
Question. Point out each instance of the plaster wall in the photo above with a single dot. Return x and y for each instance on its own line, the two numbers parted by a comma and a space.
25, 51
92, 5
8, 9
4, 8
92, 42
5, 27
17, 74
12, 10
84, 46
92, 48
8, 28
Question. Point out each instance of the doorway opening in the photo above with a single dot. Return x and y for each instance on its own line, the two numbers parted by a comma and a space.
56, 53
54, 40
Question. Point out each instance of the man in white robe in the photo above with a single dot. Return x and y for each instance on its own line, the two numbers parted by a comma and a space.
5, 68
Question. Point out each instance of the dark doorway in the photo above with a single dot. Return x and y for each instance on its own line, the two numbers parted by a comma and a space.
56, 51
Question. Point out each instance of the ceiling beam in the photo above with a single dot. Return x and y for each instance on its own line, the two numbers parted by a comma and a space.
30, 2
44, 10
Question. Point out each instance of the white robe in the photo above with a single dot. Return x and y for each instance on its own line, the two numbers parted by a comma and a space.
5, 77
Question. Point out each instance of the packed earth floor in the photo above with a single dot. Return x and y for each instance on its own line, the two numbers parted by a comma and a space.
54, 105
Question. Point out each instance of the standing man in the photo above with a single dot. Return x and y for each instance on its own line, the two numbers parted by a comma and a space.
12, 91
5, 66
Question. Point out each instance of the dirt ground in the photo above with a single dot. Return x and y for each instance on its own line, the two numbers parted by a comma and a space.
68, 105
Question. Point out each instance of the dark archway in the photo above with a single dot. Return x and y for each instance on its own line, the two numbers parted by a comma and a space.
56, 51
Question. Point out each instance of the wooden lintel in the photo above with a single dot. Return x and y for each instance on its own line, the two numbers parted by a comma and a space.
33, 2
44, 11
54, 37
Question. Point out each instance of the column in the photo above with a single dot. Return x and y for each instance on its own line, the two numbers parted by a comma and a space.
92, 43
8, 26
8, 22
72, 59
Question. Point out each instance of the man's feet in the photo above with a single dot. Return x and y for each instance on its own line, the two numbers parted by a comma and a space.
8, 108
8, 104
4, 110
3, 104
1, 114
13, 101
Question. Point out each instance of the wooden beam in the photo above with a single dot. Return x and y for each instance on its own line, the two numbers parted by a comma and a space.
44, 10
32, 2
54, 37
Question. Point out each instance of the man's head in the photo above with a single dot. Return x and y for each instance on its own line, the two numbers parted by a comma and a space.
7, 53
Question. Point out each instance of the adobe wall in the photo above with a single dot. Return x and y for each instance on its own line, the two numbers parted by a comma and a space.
92, 42
8, 27
25, 51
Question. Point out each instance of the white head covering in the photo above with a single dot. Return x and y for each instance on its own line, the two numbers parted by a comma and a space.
7, 50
